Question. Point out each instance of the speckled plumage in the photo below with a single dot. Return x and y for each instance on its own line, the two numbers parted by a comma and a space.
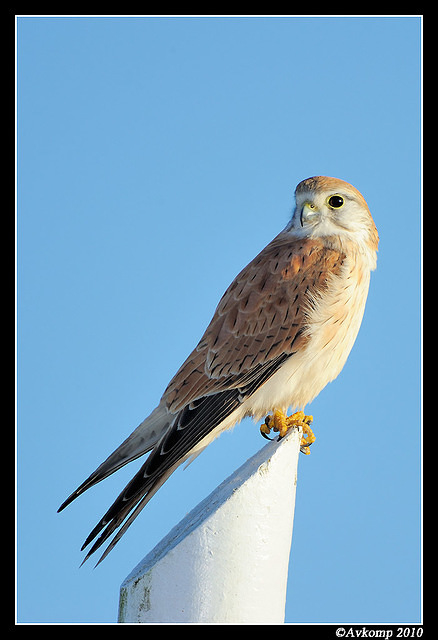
282, 330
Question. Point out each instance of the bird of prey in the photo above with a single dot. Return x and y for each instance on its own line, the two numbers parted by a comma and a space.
282, 330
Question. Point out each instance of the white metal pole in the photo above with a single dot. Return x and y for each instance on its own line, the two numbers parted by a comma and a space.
227, 560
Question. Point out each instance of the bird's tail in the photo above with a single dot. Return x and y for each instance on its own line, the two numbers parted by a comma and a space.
141, 440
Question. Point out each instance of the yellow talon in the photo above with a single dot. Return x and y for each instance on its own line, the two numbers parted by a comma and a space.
265, 429
308, 436
281, 423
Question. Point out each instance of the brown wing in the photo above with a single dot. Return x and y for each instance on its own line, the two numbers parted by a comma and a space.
261, 316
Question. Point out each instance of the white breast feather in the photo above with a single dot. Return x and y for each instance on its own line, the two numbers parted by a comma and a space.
333, 324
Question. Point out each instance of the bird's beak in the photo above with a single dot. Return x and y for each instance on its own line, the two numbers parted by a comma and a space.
309, 213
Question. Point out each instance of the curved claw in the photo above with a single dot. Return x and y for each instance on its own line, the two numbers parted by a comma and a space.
265, 429
281, 423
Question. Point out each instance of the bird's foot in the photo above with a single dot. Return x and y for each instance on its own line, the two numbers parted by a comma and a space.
281, 423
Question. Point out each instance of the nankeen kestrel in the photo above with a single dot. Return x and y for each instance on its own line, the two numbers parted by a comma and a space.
282, 330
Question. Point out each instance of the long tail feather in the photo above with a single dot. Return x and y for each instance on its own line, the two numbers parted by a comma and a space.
141, 440
189, 428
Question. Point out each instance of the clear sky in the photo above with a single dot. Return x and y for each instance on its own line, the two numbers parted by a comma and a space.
156, 157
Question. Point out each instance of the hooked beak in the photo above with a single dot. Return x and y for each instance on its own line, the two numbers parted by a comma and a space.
309, 213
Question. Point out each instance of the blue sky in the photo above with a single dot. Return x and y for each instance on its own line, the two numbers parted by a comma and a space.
156, 157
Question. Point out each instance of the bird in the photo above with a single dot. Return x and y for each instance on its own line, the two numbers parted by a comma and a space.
281, 332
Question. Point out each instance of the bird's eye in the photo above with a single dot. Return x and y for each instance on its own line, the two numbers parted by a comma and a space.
335, 202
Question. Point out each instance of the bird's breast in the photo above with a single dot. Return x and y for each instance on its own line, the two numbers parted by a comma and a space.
333, 319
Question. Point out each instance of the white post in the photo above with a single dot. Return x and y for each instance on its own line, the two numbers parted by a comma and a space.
227, 560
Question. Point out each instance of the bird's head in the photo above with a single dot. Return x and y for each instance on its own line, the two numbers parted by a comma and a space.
332, 209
